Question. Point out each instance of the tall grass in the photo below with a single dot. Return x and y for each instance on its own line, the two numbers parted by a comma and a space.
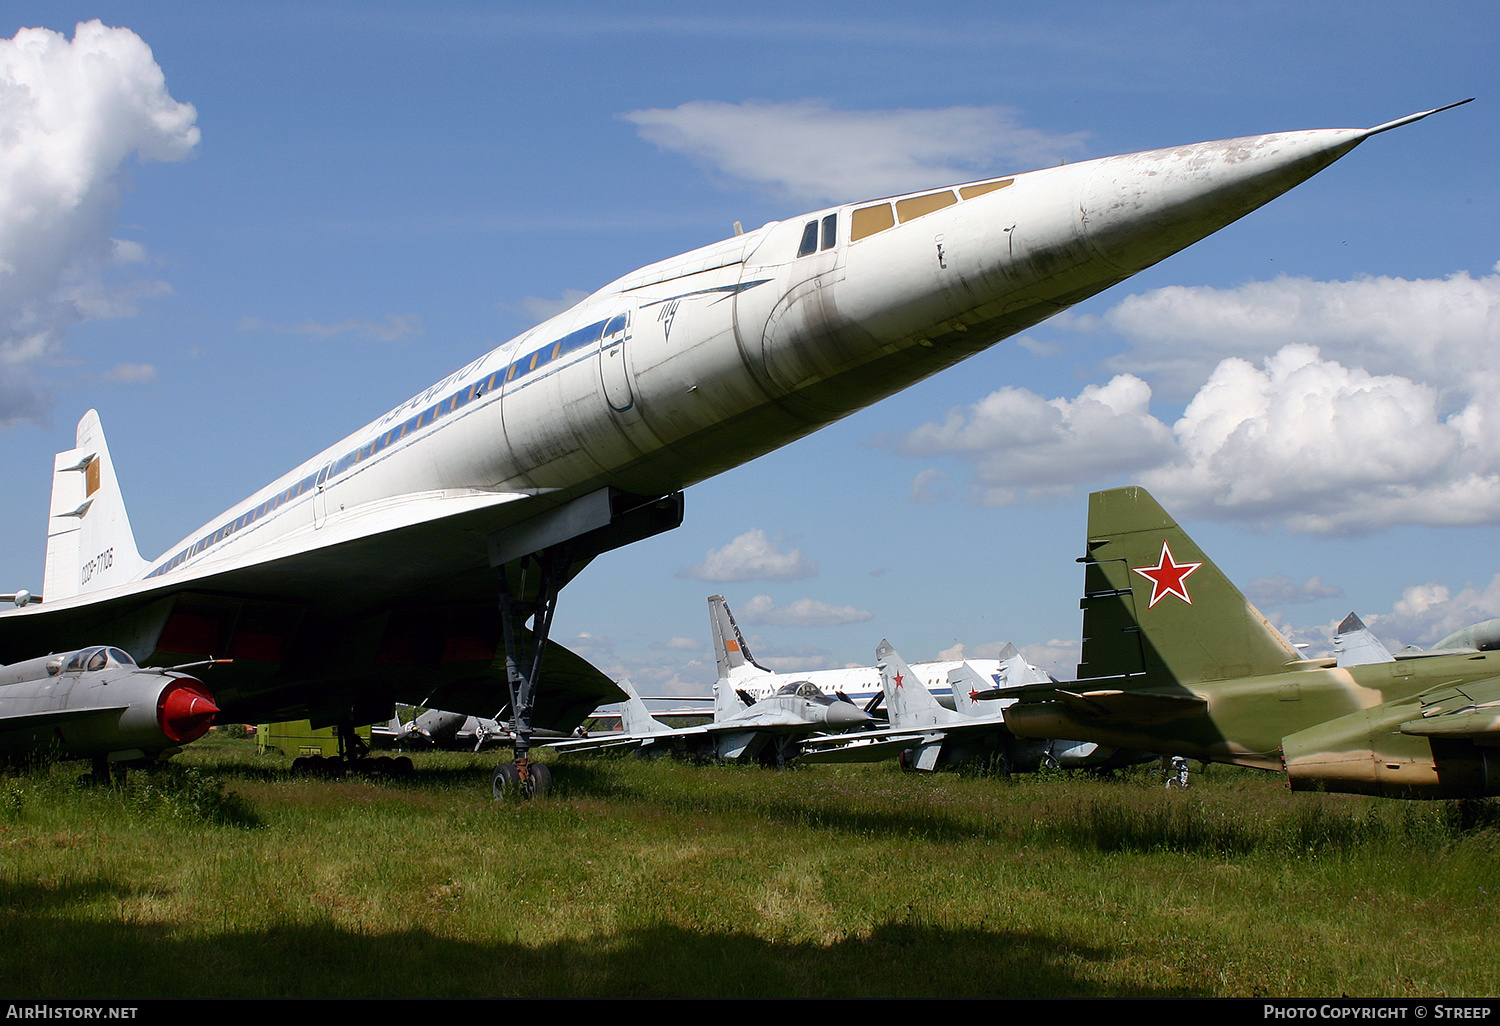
230, 877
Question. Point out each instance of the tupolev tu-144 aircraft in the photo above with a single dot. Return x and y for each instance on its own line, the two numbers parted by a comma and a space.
403, 562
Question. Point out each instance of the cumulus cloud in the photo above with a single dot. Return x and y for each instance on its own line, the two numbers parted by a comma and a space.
72, 112
804, 612
751, 557
1329, 449
1441, 331
1023, 447
1427, 613
1301, 440
808, 150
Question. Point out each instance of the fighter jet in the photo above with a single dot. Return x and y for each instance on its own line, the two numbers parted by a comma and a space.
415, 550
924, 735
1354, 644
96, 703
1177, 660
858, 684
766, 731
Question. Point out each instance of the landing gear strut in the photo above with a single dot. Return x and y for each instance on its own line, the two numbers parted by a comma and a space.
523, 776
560, 543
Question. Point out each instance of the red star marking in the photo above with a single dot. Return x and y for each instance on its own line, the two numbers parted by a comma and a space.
1167, 577
973, 696
898, 678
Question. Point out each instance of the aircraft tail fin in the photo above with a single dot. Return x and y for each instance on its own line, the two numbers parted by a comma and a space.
89, 541
906, 698
1355, 644
967, 683
727, 701
1156, 608
733, 654
635, 718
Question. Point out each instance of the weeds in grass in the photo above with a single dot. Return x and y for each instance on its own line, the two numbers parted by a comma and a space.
188, 794
641, 878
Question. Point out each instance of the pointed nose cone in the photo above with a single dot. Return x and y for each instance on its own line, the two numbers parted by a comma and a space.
1142, 207
842, 714
185, 710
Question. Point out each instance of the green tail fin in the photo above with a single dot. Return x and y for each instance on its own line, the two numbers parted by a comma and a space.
1156, 607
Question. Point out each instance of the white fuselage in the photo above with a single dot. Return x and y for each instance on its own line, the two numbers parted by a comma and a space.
861, 683
696, 364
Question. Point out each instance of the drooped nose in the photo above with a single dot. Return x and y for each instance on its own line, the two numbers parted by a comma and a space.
1139, 208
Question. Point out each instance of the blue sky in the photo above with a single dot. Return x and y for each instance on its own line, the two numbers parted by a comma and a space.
364, 197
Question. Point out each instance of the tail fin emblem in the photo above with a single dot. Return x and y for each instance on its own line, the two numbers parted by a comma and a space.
1168, 577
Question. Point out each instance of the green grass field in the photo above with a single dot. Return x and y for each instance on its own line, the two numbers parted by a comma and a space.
229, 877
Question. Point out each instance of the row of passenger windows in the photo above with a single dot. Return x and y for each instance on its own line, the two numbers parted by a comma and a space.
877, 217
519, 368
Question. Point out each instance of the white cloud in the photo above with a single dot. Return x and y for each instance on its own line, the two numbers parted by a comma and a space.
1443, 331
1301, 440
1427, 613
808, 150
1058, 657
751, 557
1023, 447
804, 612
71, 114
1327, 449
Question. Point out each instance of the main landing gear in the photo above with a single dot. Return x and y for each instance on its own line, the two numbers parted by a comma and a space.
522, 670
535, 559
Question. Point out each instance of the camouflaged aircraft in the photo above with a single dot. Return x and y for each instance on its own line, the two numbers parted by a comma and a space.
1177, 660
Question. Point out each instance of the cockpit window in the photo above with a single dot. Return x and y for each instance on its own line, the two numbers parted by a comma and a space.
809, 239
99, 658
801, 689
830, 230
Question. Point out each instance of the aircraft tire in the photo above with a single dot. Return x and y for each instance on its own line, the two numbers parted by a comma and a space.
505, 782
540, 782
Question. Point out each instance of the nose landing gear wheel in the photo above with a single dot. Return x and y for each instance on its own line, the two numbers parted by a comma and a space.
507, 781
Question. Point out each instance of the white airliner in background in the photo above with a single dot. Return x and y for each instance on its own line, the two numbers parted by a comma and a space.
372, 573
739, 671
